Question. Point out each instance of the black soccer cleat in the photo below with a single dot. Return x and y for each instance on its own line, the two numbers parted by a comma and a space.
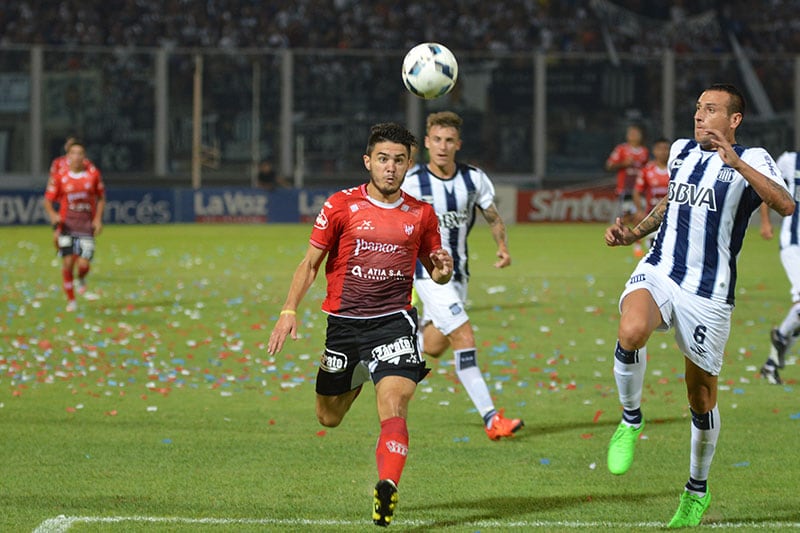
384, 502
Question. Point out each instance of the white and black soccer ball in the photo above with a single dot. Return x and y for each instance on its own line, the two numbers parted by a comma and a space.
430, 70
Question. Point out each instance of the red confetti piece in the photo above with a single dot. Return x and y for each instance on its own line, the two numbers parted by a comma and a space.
321, 433
113, 412
272, 422
71, 409
587, 435
597, 416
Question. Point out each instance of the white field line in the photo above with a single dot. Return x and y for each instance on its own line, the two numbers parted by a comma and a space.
63, 523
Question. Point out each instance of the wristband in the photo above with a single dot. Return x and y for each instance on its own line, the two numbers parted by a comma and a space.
288, 312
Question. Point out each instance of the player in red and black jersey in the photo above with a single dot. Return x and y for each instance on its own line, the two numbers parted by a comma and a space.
77, 187
372, 236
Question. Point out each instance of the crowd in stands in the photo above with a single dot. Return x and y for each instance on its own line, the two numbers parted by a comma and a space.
504, 25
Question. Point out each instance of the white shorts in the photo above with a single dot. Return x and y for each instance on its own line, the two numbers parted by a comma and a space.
790, 257
702, 325
442, 304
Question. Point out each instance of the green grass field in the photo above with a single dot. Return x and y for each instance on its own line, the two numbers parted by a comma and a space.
156, 408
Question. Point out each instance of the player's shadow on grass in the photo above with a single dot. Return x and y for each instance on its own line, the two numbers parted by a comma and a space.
509, 508
535, 430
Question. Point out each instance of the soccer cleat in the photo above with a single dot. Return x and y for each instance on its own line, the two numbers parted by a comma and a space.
770, 372
690, 510
621, 447
780, 345
385, 501
503, 427
72, 306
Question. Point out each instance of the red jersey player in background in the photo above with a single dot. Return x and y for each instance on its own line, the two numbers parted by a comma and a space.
80, 194
653, 181
627, 160
372, 236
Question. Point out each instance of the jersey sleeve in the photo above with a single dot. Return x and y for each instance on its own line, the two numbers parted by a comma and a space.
327, 224
431, 238
615, 156
52, 190
486, 192
759, 159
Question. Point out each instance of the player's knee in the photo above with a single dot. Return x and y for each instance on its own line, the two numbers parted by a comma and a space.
633, 334
701, 400
328, 419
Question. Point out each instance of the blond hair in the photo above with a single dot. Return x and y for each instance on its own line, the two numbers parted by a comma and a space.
446, 119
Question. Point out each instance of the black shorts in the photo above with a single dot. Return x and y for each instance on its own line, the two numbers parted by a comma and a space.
359, 349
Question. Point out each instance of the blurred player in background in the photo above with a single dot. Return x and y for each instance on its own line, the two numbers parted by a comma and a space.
627, 160
456, 191
653, 181
784, 336
77, 187
687, 280
373, 235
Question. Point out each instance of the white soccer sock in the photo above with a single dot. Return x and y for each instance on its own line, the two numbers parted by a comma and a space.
629, 367
705, 432
791, 323
470, 376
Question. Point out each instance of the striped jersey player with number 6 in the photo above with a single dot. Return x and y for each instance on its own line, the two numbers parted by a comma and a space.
372, 236
687, 280
77, 187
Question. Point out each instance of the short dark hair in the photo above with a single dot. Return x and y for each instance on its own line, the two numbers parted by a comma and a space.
738, 103
391, 132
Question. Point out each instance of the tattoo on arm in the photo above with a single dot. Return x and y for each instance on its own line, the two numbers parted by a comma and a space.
652, 221
777, 191
496, 222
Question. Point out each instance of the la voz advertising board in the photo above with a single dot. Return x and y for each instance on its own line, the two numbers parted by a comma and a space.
163, 206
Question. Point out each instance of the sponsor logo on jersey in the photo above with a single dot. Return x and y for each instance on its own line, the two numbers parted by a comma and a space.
322, 221
379, 274
333, 362
453, 219
455, 309
691, 194
363, 245
394, 351
408, 228
365, 225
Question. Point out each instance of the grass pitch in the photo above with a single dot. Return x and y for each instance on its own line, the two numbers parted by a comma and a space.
156, 408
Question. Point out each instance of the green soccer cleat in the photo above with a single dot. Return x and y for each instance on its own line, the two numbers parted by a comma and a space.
384, 503
621, 447
690, 511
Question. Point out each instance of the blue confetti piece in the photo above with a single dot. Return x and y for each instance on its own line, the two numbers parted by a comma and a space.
544, 461
738, 391
795, 416
743, 463
166, 441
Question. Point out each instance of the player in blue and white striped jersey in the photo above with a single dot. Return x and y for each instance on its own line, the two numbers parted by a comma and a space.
784, 336
687, 279
456, 191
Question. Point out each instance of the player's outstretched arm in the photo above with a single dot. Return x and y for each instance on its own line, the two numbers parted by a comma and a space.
498, 228
303, 278
621, 235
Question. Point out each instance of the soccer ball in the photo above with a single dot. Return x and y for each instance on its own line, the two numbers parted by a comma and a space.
430, 70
